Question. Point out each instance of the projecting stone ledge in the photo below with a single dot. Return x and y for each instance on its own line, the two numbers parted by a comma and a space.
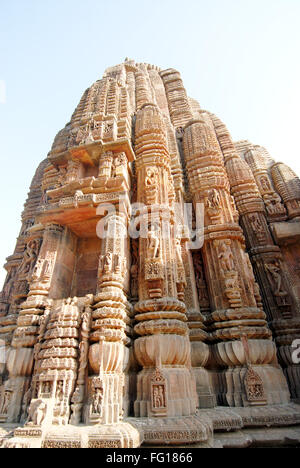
286, 233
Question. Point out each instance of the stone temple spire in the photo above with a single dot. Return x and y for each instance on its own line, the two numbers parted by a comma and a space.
153, 297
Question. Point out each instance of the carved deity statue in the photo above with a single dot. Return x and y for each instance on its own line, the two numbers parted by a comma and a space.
226, 257
9, 283
36, 412
62, 175
213, 199
276, 275
178, 251
151, 177
86, 321
265, 183
153, 243
107, 261
47, 388
5, 402
232, 282
158, 397
256, 223
26, 403
60, 391
29, 259
273, 204
97, 400
76, 406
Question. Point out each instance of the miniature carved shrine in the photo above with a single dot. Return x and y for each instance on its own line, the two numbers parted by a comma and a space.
153, 296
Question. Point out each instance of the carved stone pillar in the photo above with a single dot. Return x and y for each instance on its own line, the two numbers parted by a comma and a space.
273, 202
179, 108
265, 256
165, 386
198, 335
56, 363
79, 393
37, 268
231, 283
110, 317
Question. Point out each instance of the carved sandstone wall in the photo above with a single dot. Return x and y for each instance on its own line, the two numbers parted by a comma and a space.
101, 326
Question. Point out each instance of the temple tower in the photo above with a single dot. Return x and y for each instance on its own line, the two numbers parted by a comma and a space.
155, 280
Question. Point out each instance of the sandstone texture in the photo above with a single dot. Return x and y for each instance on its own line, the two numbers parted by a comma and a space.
153, 297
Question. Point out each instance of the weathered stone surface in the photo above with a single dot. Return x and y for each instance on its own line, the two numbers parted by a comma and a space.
122, 322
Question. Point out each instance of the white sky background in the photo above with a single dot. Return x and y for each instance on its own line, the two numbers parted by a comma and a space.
238, 58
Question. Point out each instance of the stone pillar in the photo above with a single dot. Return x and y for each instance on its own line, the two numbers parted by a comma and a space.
231, 284
259, 167
37, 268
110, 317
286, 328
56, 366
166, 386
265, 256
199, 338
179, 107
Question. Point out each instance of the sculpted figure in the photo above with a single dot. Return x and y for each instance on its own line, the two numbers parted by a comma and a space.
107, 261
153, 243
265, 184
26, 403
47, 388
5, 402
86, 320
9, 282
232, 283
158, 397
273, 203
77, 195
62, 175
213, 200
198, 270
161, 396
30, 256
60, 391
37, 271
178, 251
97, 400
74, 301
36, 412
121, 160
256, 224
200, 282
76, 405
275, 272
150, 179
226, 257
114, 168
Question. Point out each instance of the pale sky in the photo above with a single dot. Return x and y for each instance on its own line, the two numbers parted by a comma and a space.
238, 58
